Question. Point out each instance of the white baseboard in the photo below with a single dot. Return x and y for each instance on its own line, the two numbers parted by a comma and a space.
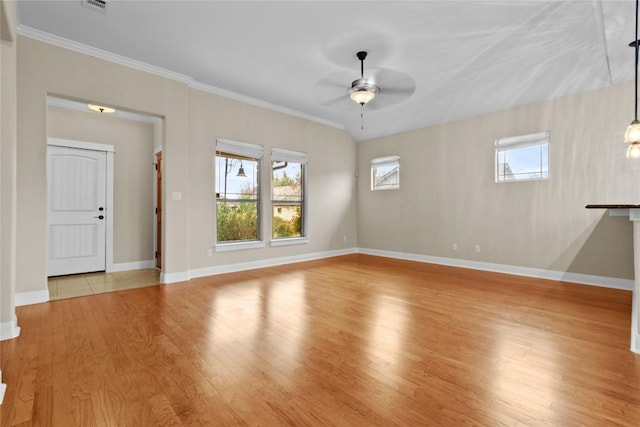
28, 298
137, 265
251, 265
3, 388
9, 330
180, 276
635, 343
585, 279
272, 262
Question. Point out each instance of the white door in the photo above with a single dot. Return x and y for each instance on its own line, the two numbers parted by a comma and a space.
76, 198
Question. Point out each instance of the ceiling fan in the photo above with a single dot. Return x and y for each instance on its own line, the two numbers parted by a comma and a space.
379, 89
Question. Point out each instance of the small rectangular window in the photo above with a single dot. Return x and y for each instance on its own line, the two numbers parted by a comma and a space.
522, 158
288, 194
237, 191
385, 173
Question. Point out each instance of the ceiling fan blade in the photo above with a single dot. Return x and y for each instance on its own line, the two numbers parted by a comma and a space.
331, 90
395, 87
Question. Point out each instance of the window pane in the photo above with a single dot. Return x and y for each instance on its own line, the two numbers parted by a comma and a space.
230, 182
287, 221
385, 177
238, 197
237, 221
287, 195
528, 162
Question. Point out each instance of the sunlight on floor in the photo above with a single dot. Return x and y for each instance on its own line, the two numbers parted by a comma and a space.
78, 285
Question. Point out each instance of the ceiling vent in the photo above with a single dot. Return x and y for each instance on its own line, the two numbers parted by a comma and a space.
97, 5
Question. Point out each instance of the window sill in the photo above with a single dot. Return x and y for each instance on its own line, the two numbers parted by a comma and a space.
238, 246
292, 241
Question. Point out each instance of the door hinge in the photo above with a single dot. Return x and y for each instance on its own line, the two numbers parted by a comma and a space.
155, 166
156, 211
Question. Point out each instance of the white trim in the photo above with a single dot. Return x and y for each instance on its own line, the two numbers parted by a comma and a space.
136, 265
251, 265
81, 145
524, 140
35, 297
385, 161
281, 155
585, 279
181, 276
3, 388
635, 333
289, 241
238, 246
239, 148
110, 151
110, 211
49, 38
45, 37
10, 329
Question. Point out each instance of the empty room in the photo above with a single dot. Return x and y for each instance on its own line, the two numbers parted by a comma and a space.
308, 213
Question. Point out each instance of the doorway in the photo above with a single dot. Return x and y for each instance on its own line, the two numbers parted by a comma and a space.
80, 195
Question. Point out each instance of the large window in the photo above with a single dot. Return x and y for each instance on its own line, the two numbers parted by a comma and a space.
521, 158
237, 191
385, 173
288, 194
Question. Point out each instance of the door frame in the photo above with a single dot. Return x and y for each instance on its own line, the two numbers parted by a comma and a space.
157, 245
110, 150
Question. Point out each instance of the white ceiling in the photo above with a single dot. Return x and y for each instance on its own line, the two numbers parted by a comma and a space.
465, 58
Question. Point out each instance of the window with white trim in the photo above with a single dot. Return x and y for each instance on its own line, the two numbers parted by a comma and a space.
522, 158
237, 191
385, 173
288, 194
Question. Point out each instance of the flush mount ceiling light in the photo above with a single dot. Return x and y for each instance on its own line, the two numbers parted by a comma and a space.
101, 109
632, 135
363, 91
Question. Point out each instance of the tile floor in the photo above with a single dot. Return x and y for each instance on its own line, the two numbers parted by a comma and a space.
78, 285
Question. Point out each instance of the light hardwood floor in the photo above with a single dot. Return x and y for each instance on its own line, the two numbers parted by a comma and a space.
348, 341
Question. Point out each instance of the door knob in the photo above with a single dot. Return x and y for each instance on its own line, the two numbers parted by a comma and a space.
99, 216
100, 208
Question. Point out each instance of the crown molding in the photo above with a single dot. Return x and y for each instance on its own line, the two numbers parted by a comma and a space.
52, 39
260, 103
49, 38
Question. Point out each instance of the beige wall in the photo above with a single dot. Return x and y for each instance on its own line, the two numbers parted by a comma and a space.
448, 192
192, 121
133, 174
48, 70
332, 159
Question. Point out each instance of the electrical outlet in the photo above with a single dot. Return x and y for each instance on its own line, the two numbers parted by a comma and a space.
477, 249
454, 246
344, 239
210, 252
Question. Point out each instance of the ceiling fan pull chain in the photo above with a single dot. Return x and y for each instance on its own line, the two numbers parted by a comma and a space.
362, 117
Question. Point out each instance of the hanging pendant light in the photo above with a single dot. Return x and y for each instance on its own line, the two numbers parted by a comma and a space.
632, 135
241, 171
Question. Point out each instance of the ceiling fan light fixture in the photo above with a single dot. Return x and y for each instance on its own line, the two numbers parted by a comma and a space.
362, 96
363, 92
